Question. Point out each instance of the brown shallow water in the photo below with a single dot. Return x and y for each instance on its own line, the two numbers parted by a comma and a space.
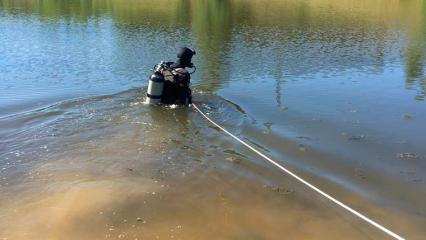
112, 167
332, 89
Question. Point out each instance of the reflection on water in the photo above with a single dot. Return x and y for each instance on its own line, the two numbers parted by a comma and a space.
290, 37
332, 89
415, 53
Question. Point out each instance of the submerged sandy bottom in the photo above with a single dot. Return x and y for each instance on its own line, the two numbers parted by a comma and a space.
113, 168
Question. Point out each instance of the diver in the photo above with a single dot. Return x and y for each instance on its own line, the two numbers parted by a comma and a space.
169, 84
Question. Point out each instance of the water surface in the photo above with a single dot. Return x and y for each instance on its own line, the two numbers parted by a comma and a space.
334, 90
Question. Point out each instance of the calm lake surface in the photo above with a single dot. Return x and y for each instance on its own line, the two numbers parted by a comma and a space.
332, 89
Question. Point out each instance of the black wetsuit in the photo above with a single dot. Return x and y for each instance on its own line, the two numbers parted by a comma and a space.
176, 87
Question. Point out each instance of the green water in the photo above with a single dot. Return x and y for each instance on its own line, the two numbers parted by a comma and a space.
333, 90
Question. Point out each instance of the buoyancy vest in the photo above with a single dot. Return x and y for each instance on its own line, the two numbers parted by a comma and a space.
176, 86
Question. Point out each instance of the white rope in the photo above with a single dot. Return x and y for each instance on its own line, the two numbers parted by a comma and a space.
360, 215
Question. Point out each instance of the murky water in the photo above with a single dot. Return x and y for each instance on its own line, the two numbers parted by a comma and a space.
334, 90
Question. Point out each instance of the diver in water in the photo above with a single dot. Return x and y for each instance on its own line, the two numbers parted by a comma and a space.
170, 82
177, 79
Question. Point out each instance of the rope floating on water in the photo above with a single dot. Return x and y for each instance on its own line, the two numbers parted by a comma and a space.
346, 207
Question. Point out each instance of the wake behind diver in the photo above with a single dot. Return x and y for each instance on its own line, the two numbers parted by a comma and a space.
169, 83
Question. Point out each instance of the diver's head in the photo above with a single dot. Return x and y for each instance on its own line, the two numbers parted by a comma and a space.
184, 56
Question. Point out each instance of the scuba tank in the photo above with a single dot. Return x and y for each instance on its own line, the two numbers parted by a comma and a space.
155, 85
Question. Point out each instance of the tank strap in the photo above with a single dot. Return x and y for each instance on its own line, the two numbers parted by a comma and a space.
153, 96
